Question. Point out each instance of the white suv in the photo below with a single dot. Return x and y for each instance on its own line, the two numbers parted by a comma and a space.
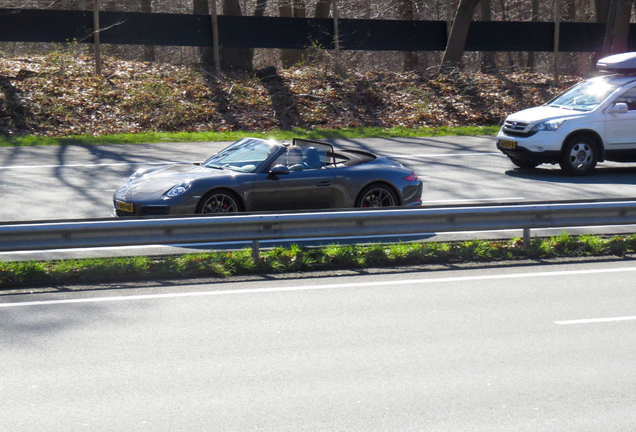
591, 122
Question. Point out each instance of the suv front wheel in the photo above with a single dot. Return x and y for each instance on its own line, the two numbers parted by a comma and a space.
579, 156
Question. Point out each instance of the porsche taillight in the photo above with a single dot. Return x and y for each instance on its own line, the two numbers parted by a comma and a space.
411, 177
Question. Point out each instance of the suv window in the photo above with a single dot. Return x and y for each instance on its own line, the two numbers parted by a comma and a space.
629, 98
585, 96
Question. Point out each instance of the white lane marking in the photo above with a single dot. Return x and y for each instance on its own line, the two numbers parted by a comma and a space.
89, 165
321, 287
595, 320
443, 155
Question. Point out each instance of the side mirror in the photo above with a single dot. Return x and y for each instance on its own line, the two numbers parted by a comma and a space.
279, 170
619, 108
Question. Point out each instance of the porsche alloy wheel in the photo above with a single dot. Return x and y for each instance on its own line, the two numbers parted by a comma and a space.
219, 202
375, 196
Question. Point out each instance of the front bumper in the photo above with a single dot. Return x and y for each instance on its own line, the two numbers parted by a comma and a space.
141, 210
542, 147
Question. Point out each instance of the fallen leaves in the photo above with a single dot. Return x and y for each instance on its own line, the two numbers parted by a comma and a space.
60, 95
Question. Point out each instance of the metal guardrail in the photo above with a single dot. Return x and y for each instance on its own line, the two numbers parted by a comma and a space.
165, 231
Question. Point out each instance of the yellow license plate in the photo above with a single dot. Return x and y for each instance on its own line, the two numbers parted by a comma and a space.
127, 207
508, 144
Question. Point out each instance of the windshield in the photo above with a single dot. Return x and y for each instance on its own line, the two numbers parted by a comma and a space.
245, 155
585, 96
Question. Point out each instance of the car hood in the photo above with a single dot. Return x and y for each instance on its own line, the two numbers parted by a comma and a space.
543, 113
160, 179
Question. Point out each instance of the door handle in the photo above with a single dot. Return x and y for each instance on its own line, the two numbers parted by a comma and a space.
324, 183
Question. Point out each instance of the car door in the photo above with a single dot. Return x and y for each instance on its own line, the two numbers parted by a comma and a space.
308, 185
620, 128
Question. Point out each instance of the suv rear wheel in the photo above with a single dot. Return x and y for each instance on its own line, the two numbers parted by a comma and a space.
579, 156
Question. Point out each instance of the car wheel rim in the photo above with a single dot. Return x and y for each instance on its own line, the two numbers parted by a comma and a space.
581, 156
378, 198
220, 203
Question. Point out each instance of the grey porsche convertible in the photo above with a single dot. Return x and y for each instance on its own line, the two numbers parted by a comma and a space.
254, 174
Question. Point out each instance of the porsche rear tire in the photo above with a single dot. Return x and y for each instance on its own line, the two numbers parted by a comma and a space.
377, 195
220, 201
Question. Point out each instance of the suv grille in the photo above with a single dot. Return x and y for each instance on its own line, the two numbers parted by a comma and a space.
518, 129
510, 126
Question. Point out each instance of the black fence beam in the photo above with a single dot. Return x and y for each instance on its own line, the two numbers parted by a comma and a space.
134, 28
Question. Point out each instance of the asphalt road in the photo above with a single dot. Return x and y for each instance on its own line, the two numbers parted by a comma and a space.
540, 347
75, 182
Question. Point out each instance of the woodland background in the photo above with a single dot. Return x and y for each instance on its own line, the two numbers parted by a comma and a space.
619, 12
52, 89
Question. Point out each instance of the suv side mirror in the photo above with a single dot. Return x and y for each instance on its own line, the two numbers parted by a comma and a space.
619, 108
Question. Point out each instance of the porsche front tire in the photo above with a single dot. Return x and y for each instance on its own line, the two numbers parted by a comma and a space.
220, 201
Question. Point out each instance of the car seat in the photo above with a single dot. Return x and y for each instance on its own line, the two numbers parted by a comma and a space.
312, 158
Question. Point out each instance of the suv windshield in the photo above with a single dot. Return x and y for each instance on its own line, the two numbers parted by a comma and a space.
245, 155
585, 96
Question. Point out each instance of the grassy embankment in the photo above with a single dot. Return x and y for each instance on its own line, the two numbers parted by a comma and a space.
153, 137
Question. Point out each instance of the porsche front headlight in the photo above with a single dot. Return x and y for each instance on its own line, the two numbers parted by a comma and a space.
179, 189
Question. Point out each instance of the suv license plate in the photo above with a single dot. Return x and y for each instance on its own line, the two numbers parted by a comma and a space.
508, 144
127, 207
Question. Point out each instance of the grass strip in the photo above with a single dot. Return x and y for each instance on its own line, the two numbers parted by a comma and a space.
155, 137
299, 259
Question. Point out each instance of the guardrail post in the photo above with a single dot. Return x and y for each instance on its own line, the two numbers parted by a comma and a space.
255, 250
526, 237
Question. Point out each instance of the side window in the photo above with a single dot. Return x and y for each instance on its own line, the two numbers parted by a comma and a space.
629, 97
303, 157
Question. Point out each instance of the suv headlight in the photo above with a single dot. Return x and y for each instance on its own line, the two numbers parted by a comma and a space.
550, 125
179, 189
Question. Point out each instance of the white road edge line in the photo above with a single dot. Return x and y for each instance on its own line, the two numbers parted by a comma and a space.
596, 320
317, 287
92, 165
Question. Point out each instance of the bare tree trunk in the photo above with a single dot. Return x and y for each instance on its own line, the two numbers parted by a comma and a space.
323, 9
534, 18
296, 9
459, 32
488, 64
235, 59
202, 7
261, 5
149, 50
609, 27
504, 16
408, 14
621, 27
